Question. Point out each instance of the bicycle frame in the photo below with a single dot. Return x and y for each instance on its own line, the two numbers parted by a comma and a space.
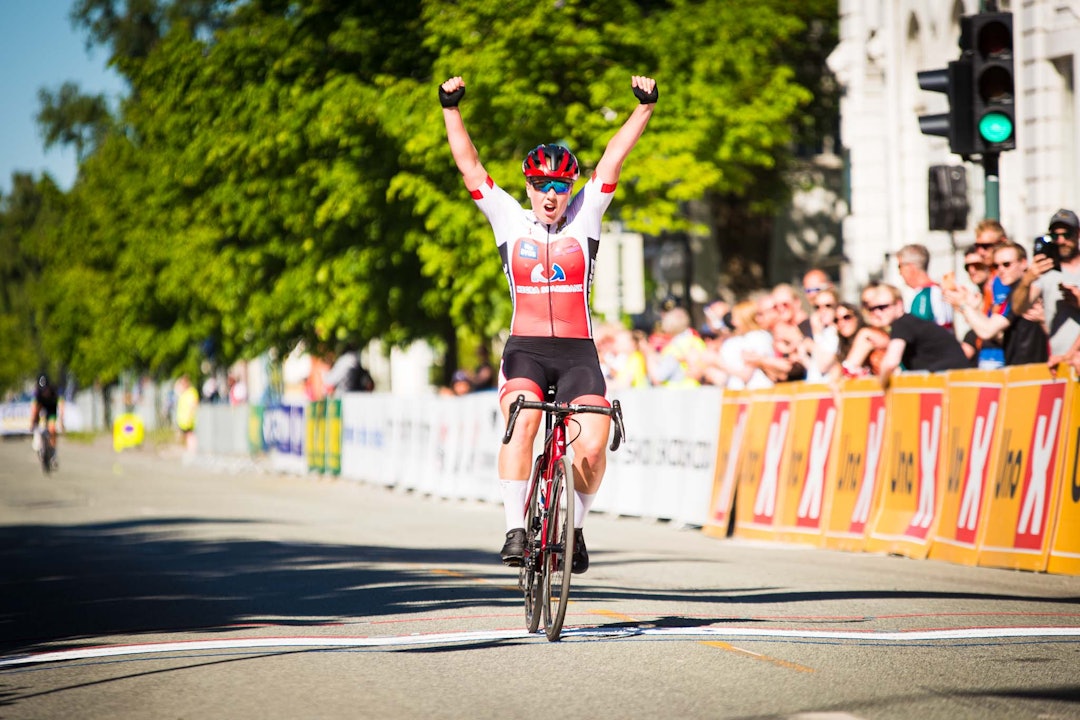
553, 453
549, 523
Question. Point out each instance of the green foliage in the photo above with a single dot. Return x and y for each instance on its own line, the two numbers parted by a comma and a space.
70, 118
279, 173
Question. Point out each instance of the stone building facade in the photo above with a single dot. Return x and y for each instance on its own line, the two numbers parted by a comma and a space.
883, 45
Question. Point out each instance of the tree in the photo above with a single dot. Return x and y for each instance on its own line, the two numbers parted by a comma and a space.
279, 173
70, 118
25, 215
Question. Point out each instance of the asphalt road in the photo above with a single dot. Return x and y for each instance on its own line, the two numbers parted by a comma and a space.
140, 586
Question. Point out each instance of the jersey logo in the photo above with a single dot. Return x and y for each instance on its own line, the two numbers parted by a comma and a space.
557, 274
528, 250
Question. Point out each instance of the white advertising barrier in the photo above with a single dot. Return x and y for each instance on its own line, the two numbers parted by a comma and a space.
420, 465
15, 418
470, 430
665, 468
365, 437
448, 447
400, 433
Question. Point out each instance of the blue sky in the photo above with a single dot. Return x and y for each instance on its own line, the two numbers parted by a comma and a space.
39, 48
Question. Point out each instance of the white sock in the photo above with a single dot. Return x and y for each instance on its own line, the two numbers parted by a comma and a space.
514, 494
582, 503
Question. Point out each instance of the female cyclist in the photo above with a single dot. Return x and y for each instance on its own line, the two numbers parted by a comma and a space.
548, 252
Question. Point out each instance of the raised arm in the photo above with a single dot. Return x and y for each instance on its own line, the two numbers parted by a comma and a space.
985, 326
1027, 290
461, 145
620, 145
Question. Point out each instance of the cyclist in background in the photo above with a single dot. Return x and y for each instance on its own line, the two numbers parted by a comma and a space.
548, 254
46, 401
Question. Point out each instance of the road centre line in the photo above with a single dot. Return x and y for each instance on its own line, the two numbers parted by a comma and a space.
568, 634
758, 656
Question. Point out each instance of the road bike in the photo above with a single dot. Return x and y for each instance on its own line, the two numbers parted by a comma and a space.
545, 571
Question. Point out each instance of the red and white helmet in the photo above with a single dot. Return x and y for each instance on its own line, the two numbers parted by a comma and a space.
550, 160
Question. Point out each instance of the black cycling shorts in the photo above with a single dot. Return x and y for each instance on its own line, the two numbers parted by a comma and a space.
570, 364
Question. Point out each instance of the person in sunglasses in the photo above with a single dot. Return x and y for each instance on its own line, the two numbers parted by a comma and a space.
548, 253
1053, 285
1022, 339
914, 343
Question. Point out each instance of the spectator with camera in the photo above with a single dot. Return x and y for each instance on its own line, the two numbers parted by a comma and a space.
1054, 275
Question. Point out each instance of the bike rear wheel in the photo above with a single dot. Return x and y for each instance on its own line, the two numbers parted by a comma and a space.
560, 549
530, 576
46, 453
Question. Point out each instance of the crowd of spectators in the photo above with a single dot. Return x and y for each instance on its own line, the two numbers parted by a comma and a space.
1016, 311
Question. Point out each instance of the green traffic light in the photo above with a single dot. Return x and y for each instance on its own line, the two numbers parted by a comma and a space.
995, 127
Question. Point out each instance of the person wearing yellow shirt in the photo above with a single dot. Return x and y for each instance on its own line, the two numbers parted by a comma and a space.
627, 368
187, 403
679, 363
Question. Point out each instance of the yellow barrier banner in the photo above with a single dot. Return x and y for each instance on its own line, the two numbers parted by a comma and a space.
734, 414
759, 463
316, 436
1024, 495
805, 463
852, 479
972, 434
906, 511
1065, 550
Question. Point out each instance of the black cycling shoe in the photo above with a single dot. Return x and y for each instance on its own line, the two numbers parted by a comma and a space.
513, 550
580, 561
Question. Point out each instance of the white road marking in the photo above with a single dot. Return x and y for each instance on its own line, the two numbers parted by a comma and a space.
265, 643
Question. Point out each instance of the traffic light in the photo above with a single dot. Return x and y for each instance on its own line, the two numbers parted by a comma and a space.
948, 197
994, 109
956, 125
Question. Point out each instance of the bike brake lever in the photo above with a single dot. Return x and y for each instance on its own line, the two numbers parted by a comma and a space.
514, 410
620, 431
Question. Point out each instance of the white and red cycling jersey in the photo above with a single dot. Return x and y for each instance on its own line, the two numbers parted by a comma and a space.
549, 268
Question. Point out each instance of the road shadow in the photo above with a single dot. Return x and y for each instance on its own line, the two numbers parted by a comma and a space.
63, 585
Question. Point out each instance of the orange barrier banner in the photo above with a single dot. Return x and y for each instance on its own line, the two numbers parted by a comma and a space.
903, 521
759, 463
972, 436
804, 464
1065, 551
852, 479
734, 416
1023, 497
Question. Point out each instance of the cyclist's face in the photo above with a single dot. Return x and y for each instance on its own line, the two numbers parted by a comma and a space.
548, 205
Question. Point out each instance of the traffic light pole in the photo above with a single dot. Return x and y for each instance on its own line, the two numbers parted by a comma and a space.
990, 172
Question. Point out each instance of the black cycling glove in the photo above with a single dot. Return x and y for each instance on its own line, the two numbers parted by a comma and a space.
645, 98
450, 100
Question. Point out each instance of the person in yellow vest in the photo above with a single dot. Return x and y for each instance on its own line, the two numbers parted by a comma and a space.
680, 362
626, 362
187, 402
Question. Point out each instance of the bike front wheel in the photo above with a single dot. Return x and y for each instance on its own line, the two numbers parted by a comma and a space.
560, 549
46, 453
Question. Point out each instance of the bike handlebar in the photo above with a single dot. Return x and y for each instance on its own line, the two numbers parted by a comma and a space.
565, 409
